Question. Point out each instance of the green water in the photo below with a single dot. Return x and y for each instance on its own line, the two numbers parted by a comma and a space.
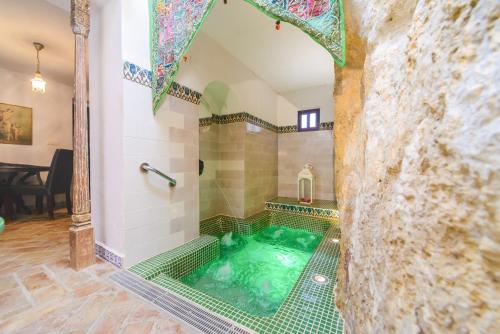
256, 273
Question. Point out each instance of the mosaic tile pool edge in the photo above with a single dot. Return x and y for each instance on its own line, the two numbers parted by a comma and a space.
255, 223
309, 307
246, 226
181, 260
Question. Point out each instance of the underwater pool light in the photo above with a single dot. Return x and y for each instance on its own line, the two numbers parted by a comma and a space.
320, 279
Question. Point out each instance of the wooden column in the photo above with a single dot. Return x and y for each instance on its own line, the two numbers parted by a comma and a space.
81, 232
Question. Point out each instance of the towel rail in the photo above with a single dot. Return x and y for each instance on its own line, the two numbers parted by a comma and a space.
145, 167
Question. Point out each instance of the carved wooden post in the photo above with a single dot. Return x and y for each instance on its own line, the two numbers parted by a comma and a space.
81, 232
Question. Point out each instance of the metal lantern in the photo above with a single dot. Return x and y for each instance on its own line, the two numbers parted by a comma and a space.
305, 185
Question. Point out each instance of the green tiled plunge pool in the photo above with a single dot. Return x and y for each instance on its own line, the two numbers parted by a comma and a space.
274, 272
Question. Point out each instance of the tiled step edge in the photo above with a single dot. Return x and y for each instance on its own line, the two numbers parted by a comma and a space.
179, 307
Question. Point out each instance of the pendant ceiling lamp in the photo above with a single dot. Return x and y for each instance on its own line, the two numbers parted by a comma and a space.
37, 83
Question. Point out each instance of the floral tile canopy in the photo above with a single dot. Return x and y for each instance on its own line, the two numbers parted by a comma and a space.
174, 24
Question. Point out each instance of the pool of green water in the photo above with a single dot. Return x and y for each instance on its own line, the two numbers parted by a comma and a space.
256, 273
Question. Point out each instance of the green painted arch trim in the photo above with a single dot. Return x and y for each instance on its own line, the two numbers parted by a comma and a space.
334, 43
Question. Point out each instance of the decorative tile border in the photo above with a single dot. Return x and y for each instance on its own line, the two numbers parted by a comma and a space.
235, 118
184, 93
303, 210
137, 74
246, 117
181, 260
293, 128
143, 76
206, 121
106, 254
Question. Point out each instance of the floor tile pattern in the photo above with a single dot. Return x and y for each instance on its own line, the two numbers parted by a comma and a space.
39, 293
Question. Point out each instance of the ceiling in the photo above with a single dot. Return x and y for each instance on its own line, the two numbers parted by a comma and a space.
287, 59
23, 22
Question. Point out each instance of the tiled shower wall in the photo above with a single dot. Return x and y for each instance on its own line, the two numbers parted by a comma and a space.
209, 153
295, 149
231, 172
261, 169
241, 169
245, 168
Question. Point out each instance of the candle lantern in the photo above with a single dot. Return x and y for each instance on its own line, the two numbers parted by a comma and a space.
305, 186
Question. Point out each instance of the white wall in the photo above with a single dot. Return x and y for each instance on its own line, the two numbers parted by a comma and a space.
135, 214
52, 117
309, 98
208, 61
106, 125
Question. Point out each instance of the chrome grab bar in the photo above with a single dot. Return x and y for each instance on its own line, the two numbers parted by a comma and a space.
145, 167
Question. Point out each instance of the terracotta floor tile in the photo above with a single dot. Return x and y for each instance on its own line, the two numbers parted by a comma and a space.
37, 281
144, 311
90, 287
13, 301
7, 282
166, 326
36, 253
48, 294
113, 319
139, 327
88, 313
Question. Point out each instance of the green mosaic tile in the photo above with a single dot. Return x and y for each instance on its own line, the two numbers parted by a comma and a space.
309, 308
211, 226
181, 260
245, 226
311, 224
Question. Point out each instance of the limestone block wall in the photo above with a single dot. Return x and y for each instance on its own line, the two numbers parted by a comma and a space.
417, 169
296, 149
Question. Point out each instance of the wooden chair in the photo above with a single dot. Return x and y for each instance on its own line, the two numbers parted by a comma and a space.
58, 182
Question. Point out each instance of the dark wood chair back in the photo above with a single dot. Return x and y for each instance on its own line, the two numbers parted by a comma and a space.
60, 173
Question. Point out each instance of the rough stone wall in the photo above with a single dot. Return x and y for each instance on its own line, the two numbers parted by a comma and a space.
419, 170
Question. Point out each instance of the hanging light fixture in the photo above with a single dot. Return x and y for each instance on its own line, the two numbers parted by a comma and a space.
37, 83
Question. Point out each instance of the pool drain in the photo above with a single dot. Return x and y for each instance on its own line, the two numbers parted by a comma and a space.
320, 279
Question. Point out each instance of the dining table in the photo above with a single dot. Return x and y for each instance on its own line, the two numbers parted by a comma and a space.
12, 174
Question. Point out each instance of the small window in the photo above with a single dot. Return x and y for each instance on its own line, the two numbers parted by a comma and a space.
308, 120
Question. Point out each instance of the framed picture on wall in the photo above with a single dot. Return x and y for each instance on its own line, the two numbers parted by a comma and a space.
16, 124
